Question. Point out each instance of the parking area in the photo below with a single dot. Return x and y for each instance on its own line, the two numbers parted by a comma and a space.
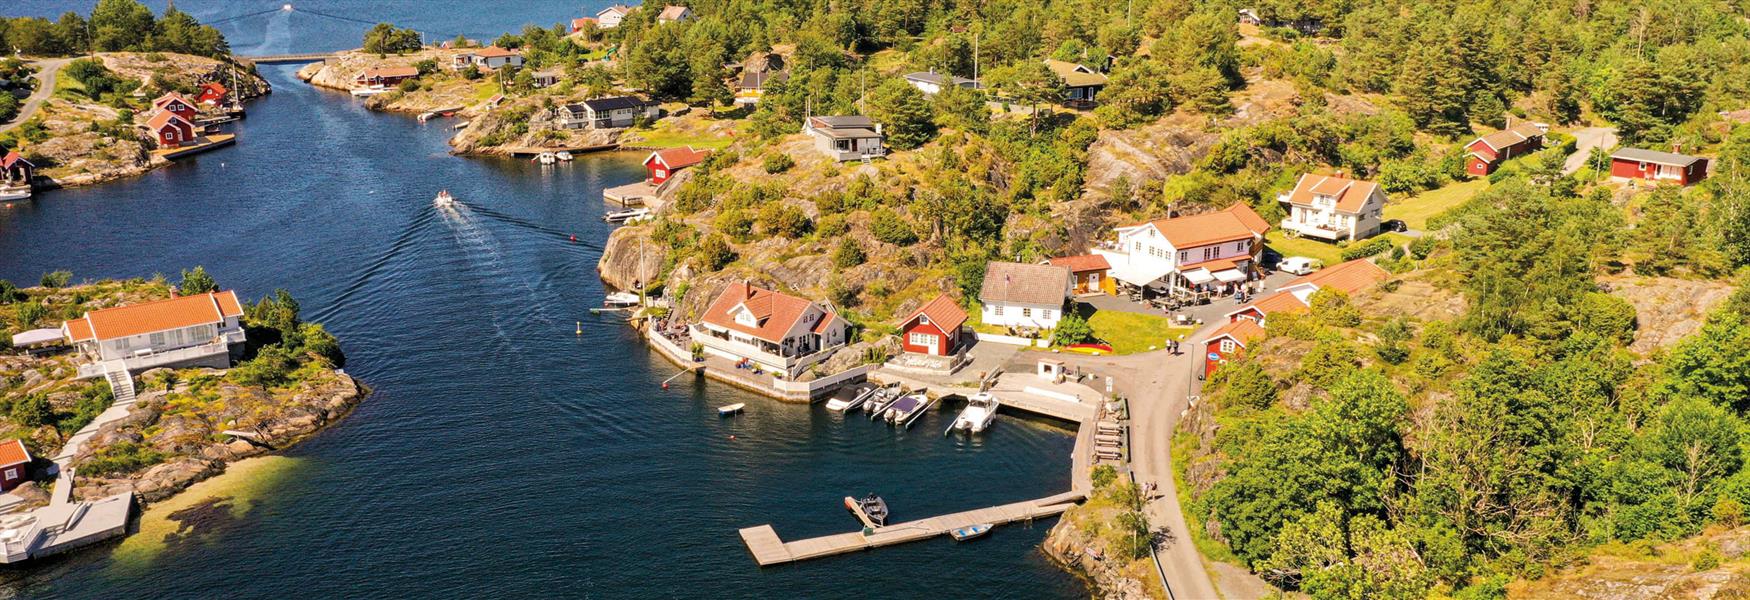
1192, 315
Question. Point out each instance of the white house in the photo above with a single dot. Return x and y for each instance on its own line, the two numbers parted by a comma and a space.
1024, 296
674, 14
491, 57
199, 330
931, 83
610, 17
1331, 207
605, 113
1210, 252
846, 138
777, 332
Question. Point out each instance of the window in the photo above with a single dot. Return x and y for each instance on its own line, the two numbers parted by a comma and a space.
997, 310
1137, 246
1227, 346
12, 474
158, 339
922, 339
1045, 314
1184, 256
1208, 253
923, 319
1027, 313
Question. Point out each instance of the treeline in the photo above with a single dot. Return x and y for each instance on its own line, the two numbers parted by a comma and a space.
114, 26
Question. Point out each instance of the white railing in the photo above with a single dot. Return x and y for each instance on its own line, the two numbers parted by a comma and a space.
137, 362
814, 385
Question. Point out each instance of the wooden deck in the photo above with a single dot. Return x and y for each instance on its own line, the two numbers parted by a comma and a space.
534, 150
768, 549
205, 143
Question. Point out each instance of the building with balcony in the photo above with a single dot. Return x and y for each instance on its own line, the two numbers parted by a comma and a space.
1206, 253
1331, 207
1635, 164
763, 328
203, 330
846, 138
604, 113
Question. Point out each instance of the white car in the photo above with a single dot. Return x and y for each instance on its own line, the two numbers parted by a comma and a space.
1300, 265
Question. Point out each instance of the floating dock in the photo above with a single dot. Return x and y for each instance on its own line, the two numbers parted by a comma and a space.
768, 549
202, 144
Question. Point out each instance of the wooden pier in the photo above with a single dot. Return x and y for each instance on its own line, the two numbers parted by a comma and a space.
536, 150
768, 549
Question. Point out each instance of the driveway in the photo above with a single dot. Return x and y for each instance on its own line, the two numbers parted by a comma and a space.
1585, 139
47, 69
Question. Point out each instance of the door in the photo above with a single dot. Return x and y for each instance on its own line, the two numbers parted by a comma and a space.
930, 343
1093, 282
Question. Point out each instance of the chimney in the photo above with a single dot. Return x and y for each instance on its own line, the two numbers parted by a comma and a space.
1676, 148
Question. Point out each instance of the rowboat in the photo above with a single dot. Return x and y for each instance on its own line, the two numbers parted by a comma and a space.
869, 509
563, 156
724, 411
970, 531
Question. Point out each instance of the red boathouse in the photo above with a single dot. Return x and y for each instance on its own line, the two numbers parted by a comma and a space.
1228, 342
934, 328
662, 164
170, 129
175, 103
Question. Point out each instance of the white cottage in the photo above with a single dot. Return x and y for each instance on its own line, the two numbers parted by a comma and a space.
1024, 296
1331, 207
200, 330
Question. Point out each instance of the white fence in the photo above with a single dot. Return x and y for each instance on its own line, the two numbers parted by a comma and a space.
1011, 340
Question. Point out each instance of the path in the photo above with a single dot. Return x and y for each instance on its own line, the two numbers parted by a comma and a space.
1585, 139
47, 69
1156, 384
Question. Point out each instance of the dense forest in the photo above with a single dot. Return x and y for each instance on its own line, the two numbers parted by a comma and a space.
114, 26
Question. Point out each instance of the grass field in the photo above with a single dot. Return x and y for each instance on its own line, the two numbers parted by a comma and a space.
1129, 333
1322, 250
1416, 210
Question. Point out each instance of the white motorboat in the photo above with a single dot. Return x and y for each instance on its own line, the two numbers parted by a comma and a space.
848, 398
980, 410
724, 411
563, 156
546, 158
14, 193
626, 216
620, 300
444, 199
369, 91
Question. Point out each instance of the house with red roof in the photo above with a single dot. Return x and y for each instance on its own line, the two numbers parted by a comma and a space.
1489, 151
1228, 342
774, 331
1210, 252
1333, 207
213, 93
934, 328
1089, 273
170, 129
174, 102
662, 164
384, 77
1295, 296
14, 169
579, 23
199, 330
1635, 164
14, 464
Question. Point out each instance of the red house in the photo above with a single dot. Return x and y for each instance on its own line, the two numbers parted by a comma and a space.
1651, 165
383, 77
934, 328
14, 461
14, 168
662, 164
1228, 342
213, 93
175, 103
1489, 151
579, 23
170, 129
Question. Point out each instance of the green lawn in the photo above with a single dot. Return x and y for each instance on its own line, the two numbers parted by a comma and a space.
1303, 246
1416, 210
1133, 332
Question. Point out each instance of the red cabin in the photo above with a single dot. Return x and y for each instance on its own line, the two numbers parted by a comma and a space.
14, 168
170, 129
175, 103
213, 93
662, 164
934, 328
14, 462
1659, 167
1489, 151
1228, 342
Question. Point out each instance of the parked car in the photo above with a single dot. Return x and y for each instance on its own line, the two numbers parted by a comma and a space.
1300, 265
1394, 225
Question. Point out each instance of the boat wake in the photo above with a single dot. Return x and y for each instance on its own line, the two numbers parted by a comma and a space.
401, 243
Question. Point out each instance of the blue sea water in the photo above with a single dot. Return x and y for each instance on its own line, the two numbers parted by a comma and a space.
501, 454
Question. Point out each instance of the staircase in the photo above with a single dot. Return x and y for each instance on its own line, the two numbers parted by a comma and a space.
122, 385
119, 382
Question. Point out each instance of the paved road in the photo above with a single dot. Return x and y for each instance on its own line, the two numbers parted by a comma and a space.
47, 69
1156, 384
1585, 139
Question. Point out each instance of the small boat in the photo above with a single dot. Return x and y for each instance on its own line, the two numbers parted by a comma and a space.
463, 125
620, 299
980, 409
848, 398
724, 411
545, 158
563, 156
14, 193
903, 408
970, 531
869, 509
369, 91
882, 399
444, 199
625, 216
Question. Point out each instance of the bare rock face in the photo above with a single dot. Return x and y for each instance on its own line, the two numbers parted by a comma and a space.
32, 493
631, 257
852, 355
1149, 153
1077, 551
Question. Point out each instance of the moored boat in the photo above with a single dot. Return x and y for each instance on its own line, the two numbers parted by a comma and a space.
563, 156
980, 410
902, 410
848, 398
14, 193
724, 411
870, 509
545, 158
620, 300
968, 532
625, 216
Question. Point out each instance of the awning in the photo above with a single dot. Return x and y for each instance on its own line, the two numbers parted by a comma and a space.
36, 337
1140, 275
1198, 276
1230, 275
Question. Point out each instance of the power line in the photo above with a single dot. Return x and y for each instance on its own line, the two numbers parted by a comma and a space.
238, 17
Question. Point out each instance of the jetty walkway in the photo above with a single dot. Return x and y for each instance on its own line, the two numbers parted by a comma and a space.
768, 549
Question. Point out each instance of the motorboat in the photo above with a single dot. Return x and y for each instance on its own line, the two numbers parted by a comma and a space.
724, 411
369, 91
980, 410
444, 199
626, 216
14, 193
907, 408
850, 397
546, 158
870, 509
968, 532
620, 300
563, 156
883, 398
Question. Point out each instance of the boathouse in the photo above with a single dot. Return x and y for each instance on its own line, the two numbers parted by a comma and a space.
383, 77
662, 164
174, 102
202, 330
213, 93
757, 327
15, 169
1228, 342
171, 130
934, 328
14, 464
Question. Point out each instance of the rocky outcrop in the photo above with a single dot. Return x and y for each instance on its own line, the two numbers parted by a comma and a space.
853, 355
631, 257
1078, 552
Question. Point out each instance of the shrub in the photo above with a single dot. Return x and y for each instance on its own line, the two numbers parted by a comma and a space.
849, 254
197, 281
778, 162
780, 219
272, 365
1103, 475
716, 252
1332, 307
32, 411
1071, 329
121, 458
1708, 560
736, 224
889, 227
56, 279
408, 85
1422, 247
1365, 249
1247, 385
1606, 315
29, 313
